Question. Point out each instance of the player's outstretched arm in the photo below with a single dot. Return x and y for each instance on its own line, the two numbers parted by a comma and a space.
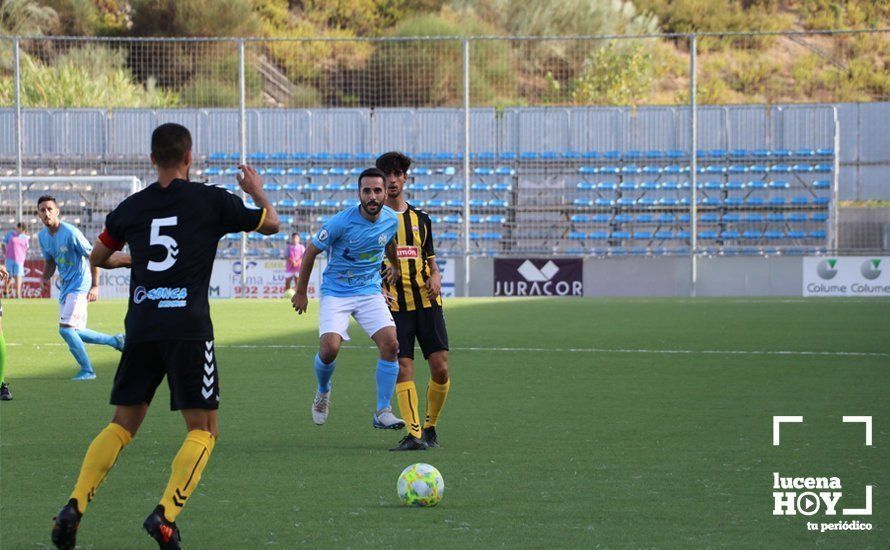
300, 301
106, 258
49, 268
252, 184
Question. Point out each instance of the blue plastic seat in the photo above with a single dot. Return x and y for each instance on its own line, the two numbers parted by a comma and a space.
626, 201
577, 235
755, 201
710, 217
329, 203
773, 235
822, 184
484, 171
435, 203
504, 171
797, 234
613, 170
454, 203
799, 201
775, 217
598, 235
652, 170
684, 235
601, 218
650, 186
734, 186
486, 187
758, 169
644, 218
823, 168
666, 218
627, 186
621, 235
287, 203
804, 152
313, 187
778, 201
821, 201
753, 217
448, 236
624, 218
646, 201
761, 153
338, 171
590, 155
707, 235
667, 201
607, 186
501, 187
819, 217
676, 154
737, 169
308, 203
498, 203
733, 201
739, 153
296, 171
491, 236
732, 218
730, 234
631, 169
642, 235
582, 186
664, 235
421, 171
802, 168
580, 218
439, 186
711, 185
818, 234
213, 171
588, 170
778, 185
751, 235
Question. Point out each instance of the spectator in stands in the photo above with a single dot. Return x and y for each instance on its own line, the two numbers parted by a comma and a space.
16, 244
293, 261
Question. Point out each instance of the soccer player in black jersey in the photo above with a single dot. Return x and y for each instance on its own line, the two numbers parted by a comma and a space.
416, 305
172, 228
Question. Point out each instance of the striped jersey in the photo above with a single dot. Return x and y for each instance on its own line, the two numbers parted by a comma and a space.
414, 242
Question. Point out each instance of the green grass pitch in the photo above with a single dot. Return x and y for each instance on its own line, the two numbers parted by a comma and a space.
571, 423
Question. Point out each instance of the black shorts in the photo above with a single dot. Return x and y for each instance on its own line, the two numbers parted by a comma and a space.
190, 368
427, 325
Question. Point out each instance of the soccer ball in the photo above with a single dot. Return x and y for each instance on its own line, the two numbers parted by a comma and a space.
420, 485
289, 293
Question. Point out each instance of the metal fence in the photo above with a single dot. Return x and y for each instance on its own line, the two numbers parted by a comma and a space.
649, 145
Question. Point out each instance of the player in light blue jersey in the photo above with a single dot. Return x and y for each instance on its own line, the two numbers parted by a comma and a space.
66, 249
356, 241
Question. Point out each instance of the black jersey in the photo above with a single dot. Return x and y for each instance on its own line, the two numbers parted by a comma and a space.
173, 233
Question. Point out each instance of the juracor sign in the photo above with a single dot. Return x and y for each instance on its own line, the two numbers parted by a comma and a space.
533, 277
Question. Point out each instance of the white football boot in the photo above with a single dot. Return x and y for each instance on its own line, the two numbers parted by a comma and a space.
384, 419
320, 407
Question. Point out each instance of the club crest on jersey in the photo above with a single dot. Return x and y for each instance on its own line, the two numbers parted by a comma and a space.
323, 235
381, 240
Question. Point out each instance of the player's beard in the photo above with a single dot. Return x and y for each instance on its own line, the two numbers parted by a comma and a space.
370, 213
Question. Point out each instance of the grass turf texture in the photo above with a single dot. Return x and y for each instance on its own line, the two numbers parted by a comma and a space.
540, 448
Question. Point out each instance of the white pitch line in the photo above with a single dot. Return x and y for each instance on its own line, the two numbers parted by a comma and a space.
563, 350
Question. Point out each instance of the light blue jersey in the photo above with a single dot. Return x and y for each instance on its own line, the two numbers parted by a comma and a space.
355, 248
71, 252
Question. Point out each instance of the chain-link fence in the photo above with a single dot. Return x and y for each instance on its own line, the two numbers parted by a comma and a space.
669, 144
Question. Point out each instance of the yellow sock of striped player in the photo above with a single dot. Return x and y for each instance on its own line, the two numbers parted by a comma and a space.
435, 399
100, 458
187, 467
406, 393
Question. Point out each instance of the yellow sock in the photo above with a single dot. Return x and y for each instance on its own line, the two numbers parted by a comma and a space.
100, 458
187, 467
435, 399
406, 393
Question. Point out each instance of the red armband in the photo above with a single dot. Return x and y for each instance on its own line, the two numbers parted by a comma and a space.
106, 239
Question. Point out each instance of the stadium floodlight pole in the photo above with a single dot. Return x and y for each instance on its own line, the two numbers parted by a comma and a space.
18, 124
465, 46
693, 166
242, 132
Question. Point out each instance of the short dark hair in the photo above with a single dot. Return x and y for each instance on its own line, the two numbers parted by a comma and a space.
169, 144
371, 173
44, 198
21, 226
392, 161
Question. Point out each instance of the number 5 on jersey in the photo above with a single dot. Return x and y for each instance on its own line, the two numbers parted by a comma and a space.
166, 241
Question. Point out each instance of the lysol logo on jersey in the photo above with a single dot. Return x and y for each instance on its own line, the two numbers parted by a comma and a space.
532, 277
407, 252
164, 296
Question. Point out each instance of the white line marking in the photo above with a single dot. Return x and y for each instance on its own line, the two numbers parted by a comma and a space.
777, 425
865, 420
563, 350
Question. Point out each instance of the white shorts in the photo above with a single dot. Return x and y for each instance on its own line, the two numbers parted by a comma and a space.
371, 312
73, 311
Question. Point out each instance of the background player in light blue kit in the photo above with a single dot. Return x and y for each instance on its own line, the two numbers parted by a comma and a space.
356, 240
66, 249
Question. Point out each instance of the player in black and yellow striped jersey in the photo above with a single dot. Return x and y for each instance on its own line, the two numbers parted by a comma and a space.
416, 305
